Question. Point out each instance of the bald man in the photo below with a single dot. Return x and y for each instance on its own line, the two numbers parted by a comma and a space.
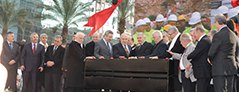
122, 50
73, 64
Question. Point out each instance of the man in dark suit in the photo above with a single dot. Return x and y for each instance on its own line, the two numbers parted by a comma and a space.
103, 48
91, 45
122, 49
223, 56
73, 65
53, 59
160, 47
201, 67
10, 59
144, 48
175, 46
32, 59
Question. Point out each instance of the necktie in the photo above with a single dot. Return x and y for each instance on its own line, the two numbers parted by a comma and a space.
54, 49
126, 50
108, 45
10, 45
34, 48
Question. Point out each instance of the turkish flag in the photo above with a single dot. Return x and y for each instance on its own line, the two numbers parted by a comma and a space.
98, 19
235, 3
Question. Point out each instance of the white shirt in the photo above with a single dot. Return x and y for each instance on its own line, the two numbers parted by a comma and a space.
44, 45
33, 45
201, 37
173, 41
181, 66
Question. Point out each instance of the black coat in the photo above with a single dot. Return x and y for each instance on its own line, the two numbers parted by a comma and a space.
201, 67
223, 53
57, 58
118, 50
32, 61
10, 54
73, 65
159, 49
144, 50
90, 48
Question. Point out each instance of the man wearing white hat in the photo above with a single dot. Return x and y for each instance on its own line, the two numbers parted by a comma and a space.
159, 22
223, 10
172, 19
195, 20
233, 20
141, 26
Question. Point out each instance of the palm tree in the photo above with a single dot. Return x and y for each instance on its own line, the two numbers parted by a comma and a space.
67, 13
123, 12
10, 15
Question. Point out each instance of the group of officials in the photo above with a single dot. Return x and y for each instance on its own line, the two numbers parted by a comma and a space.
195, 58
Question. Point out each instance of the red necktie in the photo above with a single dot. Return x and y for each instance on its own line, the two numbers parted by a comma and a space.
34, 48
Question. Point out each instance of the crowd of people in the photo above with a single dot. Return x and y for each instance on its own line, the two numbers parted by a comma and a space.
200, 59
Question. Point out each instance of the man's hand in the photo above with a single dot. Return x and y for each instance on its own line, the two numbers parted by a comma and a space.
12, 62
170, 52
142, 57
188, 67
101, 57
122, 57
40, 69
132, 58
22, 67
90, 57
50, 63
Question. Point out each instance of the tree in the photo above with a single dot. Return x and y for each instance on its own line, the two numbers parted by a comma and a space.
124, 11
10, 15
67, 13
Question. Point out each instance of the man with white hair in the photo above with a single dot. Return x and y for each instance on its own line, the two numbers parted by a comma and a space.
160, 47
91, 44
144, 48
73, 65
122, 50
43, 40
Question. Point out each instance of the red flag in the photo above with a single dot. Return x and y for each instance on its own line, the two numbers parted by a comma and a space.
98, 19
235, 3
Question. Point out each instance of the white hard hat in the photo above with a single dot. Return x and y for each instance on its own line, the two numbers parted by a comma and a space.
172, 17
195, 18
160, 18
232, 12
147, 20
222, 10
140, 22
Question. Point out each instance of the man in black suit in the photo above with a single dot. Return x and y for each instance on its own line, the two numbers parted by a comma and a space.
91, 45
73, 65
223, 55
32, 59
201, 67
53, 59
103, 48
175, 46
144, 48
10, 59
160, 47
122, 49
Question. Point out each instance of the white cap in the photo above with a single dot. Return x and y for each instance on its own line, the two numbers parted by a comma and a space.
147, 20
222, 10
195, 18
140, 22
232, 12
160, 18
172, 17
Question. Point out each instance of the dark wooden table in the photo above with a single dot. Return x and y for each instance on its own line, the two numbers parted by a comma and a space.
135, 75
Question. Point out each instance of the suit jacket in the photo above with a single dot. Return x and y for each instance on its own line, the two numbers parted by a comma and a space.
90, 48
101, 49
201, 67
177, 48
9, 54
159, 49
32, 61
185, 61
118, 50
56, 57
223, 53
144, 50
73, 64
